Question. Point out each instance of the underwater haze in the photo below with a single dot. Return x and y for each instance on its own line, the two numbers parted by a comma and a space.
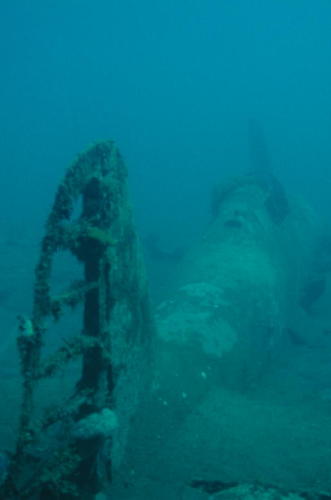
175, 84
221, 111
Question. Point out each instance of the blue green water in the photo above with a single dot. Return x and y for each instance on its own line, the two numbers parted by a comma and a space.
176, 84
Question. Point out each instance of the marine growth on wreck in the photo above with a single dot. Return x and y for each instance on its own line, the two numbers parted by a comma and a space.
165, 401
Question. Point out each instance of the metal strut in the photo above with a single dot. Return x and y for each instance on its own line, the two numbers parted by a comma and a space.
114, 344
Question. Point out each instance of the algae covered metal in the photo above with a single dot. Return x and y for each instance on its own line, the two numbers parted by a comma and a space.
69, 449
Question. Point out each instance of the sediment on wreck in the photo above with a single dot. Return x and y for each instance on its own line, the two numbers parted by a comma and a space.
69, 449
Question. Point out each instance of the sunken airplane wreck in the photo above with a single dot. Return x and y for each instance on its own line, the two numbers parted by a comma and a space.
140, 384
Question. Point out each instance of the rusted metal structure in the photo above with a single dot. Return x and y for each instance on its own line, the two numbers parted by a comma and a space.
67, 451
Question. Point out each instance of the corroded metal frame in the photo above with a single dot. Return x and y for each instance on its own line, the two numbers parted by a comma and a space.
115, 340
